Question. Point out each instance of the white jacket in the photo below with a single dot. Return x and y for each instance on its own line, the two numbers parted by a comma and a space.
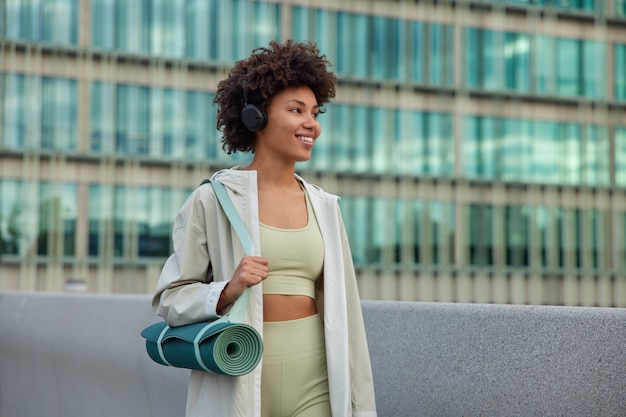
206, 253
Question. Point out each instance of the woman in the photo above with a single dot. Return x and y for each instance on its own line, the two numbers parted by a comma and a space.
304, 298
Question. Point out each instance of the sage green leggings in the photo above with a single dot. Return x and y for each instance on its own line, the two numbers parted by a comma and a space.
294, 382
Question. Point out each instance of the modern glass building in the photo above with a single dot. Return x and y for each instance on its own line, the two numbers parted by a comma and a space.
479, 146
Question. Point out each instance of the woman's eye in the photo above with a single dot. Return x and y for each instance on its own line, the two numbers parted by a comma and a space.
316, 115
295, 110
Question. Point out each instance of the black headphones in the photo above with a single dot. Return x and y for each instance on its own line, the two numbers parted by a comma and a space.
252, 116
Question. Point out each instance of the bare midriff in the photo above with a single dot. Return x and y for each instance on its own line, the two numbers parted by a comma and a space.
287, 307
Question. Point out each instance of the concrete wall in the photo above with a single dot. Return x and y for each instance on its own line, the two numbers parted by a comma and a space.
81, 355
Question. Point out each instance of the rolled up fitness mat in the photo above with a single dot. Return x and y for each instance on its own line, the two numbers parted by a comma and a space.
220, 347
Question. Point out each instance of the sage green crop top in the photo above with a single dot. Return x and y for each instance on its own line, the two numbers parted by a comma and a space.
295, 257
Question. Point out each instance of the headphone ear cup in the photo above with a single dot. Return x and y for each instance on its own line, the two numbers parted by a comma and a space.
253, 118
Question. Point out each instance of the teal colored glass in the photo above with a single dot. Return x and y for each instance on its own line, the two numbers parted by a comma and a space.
441, 218
58, 211
154, 220
199, 30
16, 112
620, 156
102, 128
39, 113
59, 114
46, 21
619, 89
516, 236
132, 118
479, 235
440, 59
15, 218
517, 48
357, 215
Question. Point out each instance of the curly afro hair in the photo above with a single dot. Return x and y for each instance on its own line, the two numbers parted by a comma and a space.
268, 71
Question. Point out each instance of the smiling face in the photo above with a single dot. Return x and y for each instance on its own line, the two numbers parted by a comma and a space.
292, 126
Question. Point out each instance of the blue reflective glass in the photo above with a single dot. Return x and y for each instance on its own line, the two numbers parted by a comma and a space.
202, 140
132, 120
516, 150
441, 219
100, 217
381, 139
49, 21
58, 207
14, 220
440, 57
472, 57
357, 217
479, 236
546, 148
407, 150
517, 62
344, 142
620, 156
388, 46
596, 160
102, 118
594, 69
204, 30
438, 144
516, 235
154, 221
15, 126
569, 68
200, 35
417, 61
124, 204
619, 72
544, 68
535, 151
59, 114
360, 136
39, 113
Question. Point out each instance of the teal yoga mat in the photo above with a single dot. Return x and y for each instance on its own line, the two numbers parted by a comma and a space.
225, 346
220, 347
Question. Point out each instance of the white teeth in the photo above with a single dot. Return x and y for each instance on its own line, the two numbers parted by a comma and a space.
306, 139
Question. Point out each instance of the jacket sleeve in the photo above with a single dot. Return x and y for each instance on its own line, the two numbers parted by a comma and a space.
186, 292
361, 379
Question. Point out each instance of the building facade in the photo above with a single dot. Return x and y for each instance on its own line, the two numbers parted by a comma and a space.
479, 147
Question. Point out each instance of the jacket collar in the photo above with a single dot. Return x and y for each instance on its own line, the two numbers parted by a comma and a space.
239, 180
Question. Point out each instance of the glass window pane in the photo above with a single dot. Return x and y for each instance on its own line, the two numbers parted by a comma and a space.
132, 116
620, 157
154, 227
544, 65
202, 140
479, 234
594, 74
568, 66
517, 61
57, 219
15, 128
102, 117
595, 167
618, 71
517, 236
441, 48
16, 222
59, 128
103, 31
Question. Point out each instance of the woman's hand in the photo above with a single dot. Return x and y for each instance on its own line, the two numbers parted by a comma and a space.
250, 271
